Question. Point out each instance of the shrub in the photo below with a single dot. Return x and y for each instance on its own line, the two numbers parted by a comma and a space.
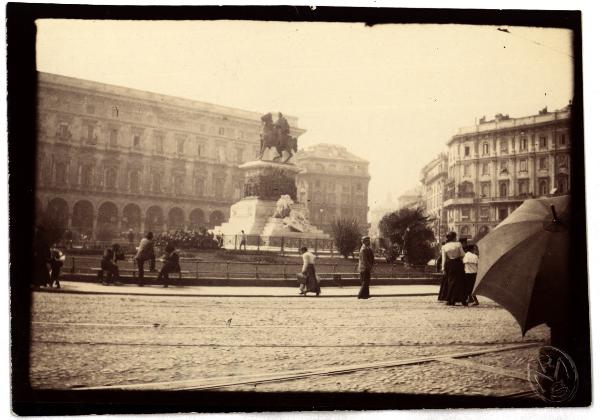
346, 236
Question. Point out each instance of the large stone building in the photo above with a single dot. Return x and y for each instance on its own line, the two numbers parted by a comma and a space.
112, 159
433, 183
495, 165
333, 185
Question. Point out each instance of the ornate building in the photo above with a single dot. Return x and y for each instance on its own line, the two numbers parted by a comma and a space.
112, 159
495, 165
333, 185
433, 183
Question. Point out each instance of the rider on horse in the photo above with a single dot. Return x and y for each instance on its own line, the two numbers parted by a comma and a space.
277, 135
282, 129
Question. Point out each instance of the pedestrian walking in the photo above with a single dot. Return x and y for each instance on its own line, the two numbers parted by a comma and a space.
308, 274
366, 259
57, 259
471, 261
145, 252
170, 265
243, 242
452, 254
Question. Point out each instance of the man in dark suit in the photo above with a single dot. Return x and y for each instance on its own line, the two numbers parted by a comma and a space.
366, 259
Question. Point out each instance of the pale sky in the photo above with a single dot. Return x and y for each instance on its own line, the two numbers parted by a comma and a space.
392, 94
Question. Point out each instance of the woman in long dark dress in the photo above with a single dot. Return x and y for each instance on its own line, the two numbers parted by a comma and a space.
309, 272
443, 293
452, 254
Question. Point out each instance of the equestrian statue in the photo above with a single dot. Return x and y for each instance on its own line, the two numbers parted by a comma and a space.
277, 135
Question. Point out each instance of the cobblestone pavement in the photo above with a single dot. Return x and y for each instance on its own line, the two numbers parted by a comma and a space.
103, 340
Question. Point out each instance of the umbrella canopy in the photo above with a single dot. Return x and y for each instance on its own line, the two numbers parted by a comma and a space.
523, 262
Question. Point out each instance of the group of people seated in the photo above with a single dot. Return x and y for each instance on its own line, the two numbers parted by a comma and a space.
194, 239
458, 263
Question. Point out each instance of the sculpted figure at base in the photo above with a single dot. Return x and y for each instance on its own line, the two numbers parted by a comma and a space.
284, 207
277, 135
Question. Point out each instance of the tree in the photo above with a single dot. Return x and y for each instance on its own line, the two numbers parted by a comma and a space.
346, 235
407, 228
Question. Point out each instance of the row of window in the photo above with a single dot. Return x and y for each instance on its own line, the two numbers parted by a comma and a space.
485, 214
331, 186
523, 145
523, 165
332, 167
202, 150
86, 177
522, 187
326, 216
92, 126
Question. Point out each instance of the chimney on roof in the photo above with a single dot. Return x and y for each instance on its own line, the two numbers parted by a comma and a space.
501, 117
543, 111
482, 120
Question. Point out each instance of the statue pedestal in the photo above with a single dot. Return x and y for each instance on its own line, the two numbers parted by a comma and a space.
257, 213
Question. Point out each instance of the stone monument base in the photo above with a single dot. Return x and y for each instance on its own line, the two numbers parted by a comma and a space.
268, 208
255, 217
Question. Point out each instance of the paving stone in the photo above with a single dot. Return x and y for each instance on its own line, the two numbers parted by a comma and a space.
120, 343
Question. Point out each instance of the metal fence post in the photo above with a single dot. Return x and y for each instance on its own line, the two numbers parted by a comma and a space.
331, 248
197, 276
73, 265
258, 243
256, 268
227, 270
316, 246
285, 271
282, 247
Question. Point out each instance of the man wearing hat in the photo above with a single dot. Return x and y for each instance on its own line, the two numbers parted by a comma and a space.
366, 259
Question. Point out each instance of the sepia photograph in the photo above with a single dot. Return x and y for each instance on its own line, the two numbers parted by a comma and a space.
293, 208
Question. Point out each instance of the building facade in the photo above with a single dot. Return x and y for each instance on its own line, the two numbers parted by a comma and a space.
494, 166
433, 183
377, 212
333, 185
411, 199
111, 159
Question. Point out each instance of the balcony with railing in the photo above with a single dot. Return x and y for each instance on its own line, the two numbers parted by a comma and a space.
458, 198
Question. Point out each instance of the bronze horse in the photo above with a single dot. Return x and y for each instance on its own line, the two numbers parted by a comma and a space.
271, 137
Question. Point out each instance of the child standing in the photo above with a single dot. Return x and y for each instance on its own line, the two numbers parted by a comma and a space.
471, 261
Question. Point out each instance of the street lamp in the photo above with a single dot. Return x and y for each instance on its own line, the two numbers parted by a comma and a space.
321, 219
